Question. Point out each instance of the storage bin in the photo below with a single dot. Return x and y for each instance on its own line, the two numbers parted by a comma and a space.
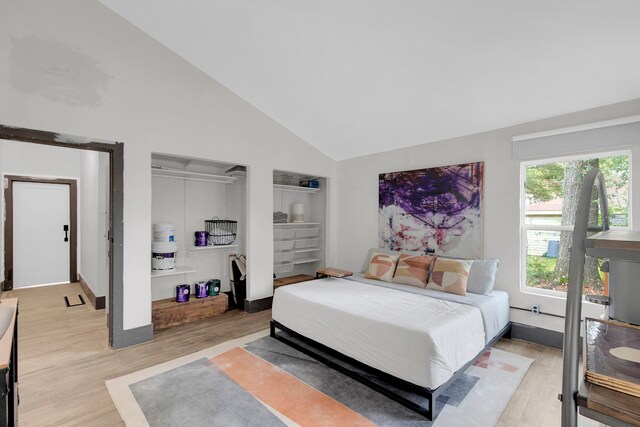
221, 231
163, 256
283, 256
283, 245
283, 234
306, 243
283, 267
306, 232
163, 233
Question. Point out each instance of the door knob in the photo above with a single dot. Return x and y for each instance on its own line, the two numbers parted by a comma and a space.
66, 231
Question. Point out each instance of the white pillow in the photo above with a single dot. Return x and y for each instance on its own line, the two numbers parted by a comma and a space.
482, 276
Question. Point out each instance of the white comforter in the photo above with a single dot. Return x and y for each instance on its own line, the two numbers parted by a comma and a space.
419, 339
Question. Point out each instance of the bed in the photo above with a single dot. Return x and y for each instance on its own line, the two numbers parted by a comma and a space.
416, 340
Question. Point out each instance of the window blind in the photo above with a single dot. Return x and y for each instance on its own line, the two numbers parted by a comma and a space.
603, 136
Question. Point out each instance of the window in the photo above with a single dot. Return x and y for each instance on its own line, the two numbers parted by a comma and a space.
549, 201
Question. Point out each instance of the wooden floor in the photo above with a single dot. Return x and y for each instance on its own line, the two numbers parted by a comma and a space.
64, 360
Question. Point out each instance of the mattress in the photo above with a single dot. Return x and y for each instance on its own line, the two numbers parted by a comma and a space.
493, 307
412, 336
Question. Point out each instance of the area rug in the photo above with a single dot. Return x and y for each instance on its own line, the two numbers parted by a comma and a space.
259, 381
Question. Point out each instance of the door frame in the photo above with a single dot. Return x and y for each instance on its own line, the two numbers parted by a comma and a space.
118, 336
8, 224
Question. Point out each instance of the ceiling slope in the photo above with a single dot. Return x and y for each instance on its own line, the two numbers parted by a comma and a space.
354, 77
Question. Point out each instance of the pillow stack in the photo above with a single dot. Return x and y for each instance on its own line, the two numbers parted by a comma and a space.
399, 268
456, 276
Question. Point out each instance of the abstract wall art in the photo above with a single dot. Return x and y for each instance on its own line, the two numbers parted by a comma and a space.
437, 208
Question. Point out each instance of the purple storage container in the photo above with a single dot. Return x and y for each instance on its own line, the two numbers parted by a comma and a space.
201, 238
182, 293
201, 290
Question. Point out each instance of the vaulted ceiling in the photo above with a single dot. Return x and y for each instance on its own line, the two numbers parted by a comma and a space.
354, 77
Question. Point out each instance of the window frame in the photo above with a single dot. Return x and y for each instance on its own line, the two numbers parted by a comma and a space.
524, 227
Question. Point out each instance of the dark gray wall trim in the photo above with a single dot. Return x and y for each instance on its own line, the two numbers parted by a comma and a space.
257, 305
129, 337
98, 303
538, 335
119, 337
55, 139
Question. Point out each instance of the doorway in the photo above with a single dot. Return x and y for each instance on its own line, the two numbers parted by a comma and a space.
40, 231
118, 336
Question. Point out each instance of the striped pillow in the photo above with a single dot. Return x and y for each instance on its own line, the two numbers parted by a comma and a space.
381, 267
450, 275
413, 270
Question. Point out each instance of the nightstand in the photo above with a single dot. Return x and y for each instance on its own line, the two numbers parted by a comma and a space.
323, 272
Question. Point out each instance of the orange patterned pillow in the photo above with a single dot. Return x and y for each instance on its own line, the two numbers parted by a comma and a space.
450, 275
381, 266
413, 270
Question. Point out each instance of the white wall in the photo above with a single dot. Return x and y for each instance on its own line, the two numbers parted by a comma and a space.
93, 220
18, 158
358, 198
75, 67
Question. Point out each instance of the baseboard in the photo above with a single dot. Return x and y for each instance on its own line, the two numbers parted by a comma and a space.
256, 305
129, 337
98, 303
534, 334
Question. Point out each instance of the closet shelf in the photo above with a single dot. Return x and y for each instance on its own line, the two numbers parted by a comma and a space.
301, 251
191, 176
183, 269
210, 248
295, 188
296, 224
305, 261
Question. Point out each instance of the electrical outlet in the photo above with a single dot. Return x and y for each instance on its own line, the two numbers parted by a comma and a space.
535, 308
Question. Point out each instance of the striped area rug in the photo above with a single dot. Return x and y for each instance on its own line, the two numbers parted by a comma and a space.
259, 381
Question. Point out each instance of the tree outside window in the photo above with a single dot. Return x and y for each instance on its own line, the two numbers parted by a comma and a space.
551, 192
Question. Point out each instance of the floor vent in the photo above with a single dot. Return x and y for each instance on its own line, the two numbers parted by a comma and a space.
66, 301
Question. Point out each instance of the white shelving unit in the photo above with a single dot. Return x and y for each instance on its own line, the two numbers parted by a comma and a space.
186, 192
299, 248
182, 269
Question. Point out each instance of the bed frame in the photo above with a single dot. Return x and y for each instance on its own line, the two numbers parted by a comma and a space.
386, 382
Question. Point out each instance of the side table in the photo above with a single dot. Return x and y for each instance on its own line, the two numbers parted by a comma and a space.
323, 272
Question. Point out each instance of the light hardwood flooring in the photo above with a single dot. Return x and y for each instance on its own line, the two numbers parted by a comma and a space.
64, 360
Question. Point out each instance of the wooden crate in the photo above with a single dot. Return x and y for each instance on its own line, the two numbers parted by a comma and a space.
167, 312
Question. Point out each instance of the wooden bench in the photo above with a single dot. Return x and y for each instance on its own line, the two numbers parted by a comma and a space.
167, 313
332, 272
298, 278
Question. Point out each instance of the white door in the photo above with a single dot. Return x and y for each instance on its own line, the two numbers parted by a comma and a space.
40, 252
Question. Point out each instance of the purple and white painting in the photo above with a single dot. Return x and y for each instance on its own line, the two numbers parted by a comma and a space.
438, 209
